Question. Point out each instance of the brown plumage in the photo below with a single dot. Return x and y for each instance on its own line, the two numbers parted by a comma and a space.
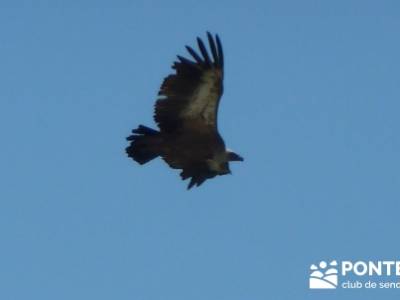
186, 113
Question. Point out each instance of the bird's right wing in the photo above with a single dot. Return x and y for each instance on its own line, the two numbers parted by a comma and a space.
189, 98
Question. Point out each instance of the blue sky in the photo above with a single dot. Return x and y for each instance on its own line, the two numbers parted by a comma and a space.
311, 101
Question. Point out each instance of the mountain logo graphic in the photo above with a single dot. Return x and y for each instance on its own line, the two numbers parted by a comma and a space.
324, 275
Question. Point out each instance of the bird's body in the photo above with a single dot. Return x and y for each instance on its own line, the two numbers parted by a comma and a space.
186, 113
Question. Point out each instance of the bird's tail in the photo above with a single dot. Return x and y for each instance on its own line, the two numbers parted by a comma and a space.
145, 144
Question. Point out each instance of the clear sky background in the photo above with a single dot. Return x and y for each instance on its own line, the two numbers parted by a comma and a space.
312, 102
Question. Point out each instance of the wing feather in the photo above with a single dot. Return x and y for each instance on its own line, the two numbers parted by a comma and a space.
203, 51
195, 55
186, 61
220, 52
213, 48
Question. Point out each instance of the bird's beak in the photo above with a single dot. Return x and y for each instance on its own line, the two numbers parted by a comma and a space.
232, 156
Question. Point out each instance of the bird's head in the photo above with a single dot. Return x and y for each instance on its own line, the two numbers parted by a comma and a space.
220, 163
232, 156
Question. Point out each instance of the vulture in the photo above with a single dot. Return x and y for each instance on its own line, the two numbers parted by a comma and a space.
186, 113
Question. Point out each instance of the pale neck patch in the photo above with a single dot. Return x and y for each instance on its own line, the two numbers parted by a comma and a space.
218, 163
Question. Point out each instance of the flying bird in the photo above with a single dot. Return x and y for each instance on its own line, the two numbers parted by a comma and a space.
186, 113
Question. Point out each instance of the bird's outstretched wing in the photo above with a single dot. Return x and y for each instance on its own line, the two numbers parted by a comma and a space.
189, 98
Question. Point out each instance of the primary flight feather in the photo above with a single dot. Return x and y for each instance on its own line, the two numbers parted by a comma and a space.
186, 113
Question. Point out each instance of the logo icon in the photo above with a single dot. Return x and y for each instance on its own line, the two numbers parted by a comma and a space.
324, 276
